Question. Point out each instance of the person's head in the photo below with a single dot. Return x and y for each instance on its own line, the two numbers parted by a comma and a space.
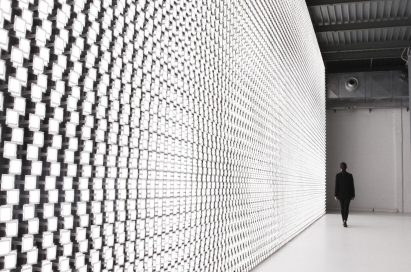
343, 166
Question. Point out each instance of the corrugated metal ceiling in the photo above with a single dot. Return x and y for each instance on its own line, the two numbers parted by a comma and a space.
366, 11
355, 29
350, 37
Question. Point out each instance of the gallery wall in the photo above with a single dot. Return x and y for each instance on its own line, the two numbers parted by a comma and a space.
376, 146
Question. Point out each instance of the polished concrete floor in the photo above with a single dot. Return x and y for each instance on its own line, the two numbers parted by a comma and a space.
372, 243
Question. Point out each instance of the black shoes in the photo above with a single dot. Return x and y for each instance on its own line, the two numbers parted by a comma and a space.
345, 224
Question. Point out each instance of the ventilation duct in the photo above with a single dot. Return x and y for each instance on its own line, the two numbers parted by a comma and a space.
367, 89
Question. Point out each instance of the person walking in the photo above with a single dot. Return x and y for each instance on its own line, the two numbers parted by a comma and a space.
344, 191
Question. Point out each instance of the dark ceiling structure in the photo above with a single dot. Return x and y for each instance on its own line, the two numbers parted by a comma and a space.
357, 35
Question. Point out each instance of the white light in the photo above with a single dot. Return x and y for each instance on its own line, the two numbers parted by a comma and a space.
10, 260
12, 228
148, 131
5, 246
10, 150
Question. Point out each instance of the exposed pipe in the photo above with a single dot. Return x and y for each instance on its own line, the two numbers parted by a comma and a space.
409, 89
402, 161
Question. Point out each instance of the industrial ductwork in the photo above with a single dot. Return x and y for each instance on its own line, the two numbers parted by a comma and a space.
367, 89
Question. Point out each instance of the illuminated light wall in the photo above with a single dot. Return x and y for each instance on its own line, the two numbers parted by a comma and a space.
157, 135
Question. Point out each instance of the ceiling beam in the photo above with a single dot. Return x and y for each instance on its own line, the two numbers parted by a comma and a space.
311, 3
363, 25
364, 65
363, 55
365, 46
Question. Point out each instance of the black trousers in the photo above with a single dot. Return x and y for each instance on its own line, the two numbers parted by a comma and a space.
345, 206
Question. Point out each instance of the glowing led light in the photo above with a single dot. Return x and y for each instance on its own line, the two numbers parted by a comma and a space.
157, 135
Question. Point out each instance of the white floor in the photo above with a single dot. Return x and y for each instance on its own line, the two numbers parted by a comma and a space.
371, 243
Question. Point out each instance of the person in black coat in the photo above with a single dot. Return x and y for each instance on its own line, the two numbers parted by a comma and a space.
344, 191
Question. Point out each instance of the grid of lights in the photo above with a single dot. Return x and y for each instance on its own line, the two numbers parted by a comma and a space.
157, 135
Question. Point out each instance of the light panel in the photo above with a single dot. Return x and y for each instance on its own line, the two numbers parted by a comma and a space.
157, 135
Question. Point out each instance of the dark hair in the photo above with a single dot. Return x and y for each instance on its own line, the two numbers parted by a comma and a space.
343, 165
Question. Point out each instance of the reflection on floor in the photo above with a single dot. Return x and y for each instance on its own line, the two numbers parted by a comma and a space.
371, 243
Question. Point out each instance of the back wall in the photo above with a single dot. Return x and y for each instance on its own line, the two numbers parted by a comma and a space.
376, 146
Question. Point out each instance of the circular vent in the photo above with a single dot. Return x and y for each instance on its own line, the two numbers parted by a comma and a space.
351, 84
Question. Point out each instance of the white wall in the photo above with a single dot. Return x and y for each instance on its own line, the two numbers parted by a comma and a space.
376, 147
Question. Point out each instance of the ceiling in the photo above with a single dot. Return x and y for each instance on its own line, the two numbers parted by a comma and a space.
357, 35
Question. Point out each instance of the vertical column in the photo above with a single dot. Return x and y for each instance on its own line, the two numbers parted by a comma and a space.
409, 79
